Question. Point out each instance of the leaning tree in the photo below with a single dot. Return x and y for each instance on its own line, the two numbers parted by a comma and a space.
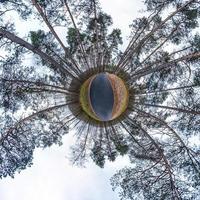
70, 74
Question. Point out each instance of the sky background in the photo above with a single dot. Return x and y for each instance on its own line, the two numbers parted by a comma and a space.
51, 176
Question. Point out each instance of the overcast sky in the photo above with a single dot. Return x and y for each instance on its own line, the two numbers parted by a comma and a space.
52, 177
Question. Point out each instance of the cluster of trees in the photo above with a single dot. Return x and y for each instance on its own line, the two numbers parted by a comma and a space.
40, 100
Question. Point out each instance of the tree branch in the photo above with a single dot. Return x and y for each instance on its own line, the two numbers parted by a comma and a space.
166, 90
148, 70
170, 108
78, 33
142, 42
35, 50
44, 17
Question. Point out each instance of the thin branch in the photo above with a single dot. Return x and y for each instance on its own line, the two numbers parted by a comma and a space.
166, 90
30, 117
37, 83
35, 50
78, 33
135, 37
161, 44
170, 108
145, 39
96, 35
134, 139
148, 115
164, 159
44, 17
148, 70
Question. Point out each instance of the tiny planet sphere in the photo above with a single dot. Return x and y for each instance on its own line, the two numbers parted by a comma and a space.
104, 96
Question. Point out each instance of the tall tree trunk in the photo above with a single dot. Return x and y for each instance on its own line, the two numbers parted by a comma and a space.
170, 108
35, 50
148, 70
133, 49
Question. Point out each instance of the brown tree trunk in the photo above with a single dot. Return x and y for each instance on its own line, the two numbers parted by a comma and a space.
35, 50
148, 70
132, 51
170, 108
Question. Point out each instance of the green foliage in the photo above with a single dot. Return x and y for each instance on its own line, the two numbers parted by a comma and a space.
37, 38
114, 39
74, 39
122, 149
195, 42
2, 1
103, 22
98, 156
191, 14
197, 78
42, 3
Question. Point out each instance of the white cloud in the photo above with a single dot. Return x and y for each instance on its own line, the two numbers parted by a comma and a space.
52, 177
123, 12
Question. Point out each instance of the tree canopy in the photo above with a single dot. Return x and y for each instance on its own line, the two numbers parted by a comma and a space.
42, 71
